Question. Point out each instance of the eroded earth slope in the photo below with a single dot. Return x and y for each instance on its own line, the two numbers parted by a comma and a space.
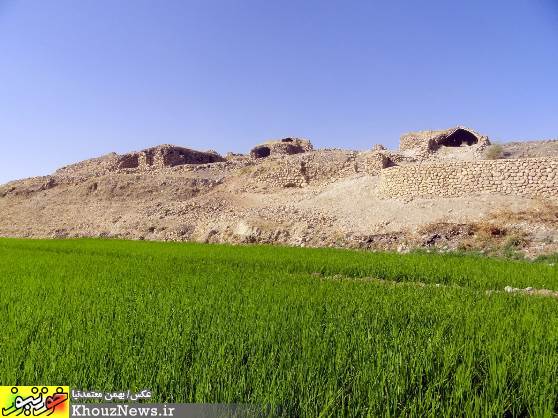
286, 192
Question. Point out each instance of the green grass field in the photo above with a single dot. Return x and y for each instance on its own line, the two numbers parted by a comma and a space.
303, 330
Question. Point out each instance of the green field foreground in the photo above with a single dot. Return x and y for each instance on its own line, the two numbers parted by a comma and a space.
305, 331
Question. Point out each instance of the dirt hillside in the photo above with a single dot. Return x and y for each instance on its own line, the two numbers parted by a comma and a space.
286, 192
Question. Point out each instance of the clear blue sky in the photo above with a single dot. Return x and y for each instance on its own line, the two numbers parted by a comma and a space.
82, 78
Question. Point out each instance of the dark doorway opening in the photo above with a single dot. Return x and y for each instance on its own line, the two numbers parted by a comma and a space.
459, 138
261, 152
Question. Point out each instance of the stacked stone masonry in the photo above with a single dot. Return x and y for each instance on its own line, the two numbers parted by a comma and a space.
529, 177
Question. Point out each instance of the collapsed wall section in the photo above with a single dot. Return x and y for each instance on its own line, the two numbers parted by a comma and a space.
166, 156
285, 146
425, 143
529, 177
302, 169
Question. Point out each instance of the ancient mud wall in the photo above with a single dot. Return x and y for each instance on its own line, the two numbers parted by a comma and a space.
285, 146
166, 156
320, 166
530, 177
299, 170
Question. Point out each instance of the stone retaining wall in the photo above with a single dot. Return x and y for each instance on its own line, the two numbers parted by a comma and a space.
530, 177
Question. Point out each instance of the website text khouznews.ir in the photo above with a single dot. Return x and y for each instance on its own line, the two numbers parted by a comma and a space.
121, 410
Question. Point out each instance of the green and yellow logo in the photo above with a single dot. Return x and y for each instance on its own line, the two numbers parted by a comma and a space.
53, 401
